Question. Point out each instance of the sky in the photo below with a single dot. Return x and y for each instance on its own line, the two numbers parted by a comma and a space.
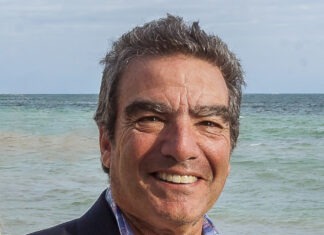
54, 46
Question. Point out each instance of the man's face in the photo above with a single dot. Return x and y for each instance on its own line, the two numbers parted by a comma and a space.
170, 156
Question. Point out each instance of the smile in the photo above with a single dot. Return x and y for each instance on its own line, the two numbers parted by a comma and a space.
177, 179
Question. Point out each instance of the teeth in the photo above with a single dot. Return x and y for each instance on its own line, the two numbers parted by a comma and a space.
177, 179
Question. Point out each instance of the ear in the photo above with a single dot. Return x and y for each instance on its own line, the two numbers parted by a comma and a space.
105, 146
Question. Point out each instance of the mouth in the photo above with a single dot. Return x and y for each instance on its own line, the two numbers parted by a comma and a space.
176, 179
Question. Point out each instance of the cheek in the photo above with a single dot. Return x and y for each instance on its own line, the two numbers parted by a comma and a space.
133, 146
220, 143
218, 153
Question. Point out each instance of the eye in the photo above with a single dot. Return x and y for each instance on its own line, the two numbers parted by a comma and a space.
149, 119
211, 124
149, 124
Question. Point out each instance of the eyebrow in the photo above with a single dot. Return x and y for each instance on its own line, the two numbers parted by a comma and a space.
148, 106
161, 108
213, 110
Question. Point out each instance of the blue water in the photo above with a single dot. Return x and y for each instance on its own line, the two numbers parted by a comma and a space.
50, 169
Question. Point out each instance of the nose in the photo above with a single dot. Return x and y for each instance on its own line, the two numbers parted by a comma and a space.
180, 142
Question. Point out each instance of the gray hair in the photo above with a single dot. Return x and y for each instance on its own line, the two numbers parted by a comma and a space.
163, 37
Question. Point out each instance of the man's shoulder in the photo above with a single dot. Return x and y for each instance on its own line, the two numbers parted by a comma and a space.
68, 228
99, 219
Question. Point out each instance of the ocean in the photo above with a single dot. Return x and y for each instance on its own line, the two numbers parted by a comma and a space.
50, 168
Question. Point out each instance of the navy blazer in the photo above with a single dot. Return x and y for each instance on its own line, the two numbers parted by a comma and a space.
98, 220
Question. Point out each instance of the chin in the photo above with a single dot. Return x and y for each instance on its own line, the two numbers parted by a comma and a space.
180, 215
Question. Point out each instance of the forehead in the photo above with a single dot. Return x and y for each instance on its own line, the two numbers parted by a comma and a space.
173, 79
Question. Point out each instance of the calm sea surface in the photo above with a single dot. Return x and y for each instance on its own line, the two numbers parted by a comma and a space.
50, 169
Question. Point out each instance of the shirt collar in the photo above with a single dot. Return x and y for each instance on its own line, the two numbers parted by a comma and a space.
125, 229
123, 226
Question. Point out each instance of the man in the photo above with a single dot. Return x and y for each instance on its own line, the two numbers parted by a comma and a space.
168, 117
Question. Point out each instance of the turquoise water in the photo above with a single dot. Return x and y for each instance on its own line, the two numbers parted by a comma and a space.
50, 169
